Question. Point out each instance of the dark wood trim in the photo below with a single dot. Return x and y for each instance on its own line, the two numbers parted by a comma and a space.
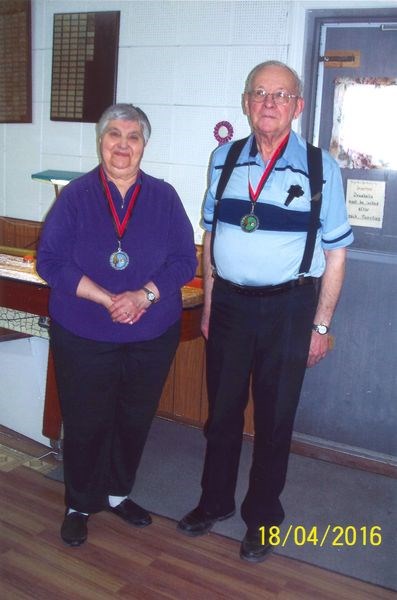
349, 457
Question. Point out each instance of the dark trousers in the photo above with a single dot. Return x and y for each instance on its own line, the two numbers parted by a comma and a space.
109, 394
263, 342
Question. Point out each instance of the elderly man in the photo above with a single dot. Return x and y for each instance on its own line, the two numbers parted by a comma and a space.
274, 260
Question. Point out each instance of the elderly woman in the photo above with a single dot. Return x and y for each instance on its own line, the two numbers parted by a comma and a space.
116, 248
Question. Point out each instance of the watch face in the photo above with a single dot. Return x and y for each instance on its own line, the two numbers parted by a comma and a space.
322, 329
151, 297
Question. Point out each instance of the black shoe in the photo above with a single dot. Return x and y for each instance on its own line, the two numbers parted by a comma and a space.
199, 522
132, 513
74, 529
252, 548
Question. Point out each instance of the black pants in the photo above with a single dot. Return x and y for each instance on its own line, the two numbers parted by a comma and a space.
263, 342
109, 394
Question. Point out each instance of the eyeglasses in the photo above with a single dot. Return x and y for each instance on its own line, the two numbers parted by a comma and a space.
280, 98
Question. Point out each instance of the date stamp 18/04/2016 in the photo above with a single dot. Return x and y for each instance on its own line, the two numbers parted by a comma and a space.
330, 535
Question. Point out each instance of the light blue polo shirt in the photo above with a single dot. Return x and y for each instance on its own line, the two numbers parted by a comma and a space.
273, 253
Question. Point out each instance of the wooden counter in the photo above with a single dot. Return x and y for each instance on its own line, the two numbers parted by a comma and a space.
22, 289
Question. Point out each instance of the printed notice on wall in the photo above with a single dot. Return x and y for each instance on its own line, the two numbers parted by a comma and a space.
365, 202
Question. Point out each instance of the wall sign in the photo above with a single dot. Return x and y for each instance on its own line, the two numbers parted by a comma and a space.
84, 65
366, 202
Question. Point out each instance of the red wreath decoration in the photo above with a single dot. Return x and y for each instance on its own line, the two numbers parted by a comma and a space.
223, 139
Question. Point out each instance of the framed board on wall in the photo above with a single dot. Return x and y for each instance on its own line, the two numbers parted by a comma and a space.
84, 65
15, 62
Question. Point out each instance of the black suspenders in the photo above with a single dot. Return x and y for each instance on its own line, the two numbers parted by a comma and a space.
315, 170
230, 163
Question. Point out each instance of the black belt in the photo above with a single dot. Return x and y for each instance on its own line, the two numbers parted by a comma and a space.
266, 290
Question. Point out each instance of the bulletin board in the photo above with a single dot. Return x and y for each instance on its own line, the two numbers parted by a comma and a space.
15, 62
84, 65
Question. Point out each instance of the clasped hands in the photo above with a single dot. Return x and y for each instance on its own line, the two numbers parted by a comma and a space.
128, 307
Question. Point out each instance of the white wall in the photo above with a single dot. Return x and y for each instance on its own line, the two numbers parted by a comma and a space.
183, 62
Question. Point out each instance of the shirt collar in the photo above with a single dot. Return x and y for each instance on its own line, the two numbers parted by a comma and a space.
290, 149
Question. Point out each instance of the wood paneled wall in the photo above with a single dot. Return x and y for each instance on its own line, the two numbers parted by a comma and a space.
19, 233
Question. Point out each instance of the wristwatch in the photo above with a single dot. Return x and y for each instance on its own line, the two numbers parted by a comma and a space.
151, 296
320, 328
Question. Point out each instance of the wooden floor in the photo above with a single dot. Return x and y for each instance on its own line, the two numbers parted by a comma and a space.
119, 561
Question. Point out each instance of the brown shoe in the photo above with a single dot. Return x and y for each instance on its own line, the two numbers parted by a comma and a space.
252, 548
131, 513
74, 529
199, 522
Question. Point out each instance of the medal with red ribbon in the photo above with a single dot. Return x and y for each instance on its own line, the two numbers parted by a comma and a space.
119, 259
250, 222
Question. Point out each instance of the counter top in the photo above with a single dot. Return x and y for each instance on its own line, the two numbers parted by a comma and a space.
13, 265
20, 267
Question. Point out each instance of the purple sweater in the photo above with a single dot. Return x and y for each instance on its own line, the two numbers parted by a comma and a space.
78, 238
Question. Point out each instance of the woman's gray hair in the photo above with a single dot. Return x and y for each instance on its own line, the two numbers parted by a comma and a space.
124, 112
273, 63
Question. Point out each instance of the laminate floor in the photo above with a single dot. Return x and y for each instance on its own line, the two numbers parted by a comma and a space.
122, 562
